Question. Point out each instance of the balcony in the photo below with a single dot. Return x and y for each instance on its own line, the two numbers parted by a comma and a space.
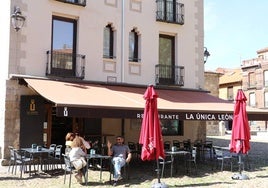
170, 12
82, 3
169, 75
66, 65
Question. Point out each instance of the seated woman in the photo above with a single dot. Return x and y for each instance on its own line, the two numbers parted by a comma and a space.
69, 139
77, 158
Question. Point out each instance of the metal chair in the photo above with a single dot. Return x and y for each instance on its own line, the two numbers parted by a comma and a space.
176, 143
133, 149
12, 159
187, 145
192, 160
58, 154
167, 145
223, 157
68, 167
23, 159
49, 161
163, 162
208, 147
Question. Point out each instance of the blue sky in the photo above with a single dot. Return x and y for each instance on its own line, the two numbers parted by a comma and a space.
234, 31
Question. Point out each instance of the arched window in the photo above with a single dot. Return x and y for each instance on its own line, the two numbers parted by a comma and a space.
108, 42
133, 46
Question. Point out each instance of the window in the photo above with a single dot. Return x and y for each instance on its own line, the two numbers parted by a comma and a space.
133, 46
63, 46
75, 2
266, 99
170, 11
108, 42
172, 127
265, 75
166, 59
252, 79
252, 100
230, 93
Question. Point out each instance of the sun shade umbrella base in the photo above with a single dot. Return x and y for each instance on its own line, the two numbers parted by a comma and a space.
159, 185
240, 177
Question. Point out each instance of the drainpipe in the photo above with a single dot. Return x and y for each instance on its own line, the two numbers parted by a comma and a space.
122, 41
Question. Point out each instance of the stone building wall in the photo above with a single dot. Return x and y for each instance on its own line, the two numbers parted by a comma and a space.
12, 114
212, 85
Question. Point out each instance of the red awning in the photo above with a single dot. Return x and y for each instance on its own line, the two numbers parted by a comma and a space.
83, 99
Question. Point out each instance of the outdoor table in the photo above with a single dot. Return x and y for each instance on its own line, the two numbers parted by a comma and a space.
35, 152
96, 156
173, 154
225, 148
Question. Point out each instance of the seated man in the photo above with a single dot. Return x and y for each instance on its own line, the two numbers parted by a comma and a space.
121, 155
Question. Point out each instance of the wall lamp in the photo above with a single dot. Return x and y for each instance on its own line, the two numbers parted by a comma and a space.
206, 55
17, 19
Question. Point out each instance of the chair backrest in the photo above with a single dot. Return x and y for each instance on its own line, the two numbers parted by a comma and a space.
20, 155
194, 153
12, 154
132, 146
176, 143
218, 152
187, 145
67, 161
139, 147
52, 148
167, 145
58, 151
208, 144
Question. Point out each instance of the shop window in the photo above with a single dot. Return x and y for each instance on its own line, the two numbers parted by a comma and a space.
172, 127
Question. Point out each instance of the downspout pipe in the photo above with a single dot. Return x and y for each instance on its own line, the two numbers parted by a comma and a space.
122, 42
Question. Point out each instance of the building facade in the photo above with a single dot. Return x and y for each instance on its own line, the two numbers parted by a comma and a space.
255, 83
108, 42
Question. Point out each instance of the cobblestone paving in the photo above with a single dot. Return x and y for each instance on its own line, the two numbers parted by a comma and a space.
143, 175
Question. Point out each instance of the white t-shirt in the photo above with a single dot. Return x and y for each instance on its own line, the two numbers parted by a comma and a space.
76, 153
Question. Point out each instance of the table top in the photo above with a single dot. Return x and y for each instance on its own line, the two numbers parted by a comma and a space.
222, 147
95, 156
31, 150
179, 152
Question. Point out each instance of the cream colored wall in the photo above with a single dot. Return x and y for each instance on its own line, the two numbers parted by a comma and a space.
5, 40
193, 130
35, 39
111, 126
223, 91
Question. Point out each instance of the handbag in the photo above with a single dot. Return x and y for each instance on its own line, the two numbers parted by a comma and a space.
79, 163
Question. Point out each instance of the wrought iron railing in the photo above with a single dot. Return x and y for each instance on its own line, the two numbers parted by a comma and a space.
170, 11
62, 64
75, 2
169, 75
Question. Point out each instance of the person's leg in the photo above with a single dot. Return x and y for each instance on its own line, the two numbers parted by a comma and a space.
116, 164
122, 163
84, 170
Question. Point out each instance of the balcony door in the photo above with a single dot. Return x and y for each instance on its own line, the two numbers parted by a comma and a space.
63, 53
166, 59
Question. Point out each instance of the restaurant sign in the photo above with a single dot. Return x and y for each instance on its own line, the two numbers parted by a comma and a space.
208, 117
193, 116
64, 111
